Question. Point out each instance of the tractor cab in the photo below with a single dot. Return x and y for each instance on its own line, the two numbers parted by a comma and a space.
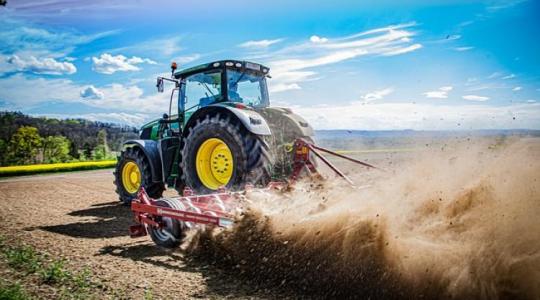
223, 82
230, 82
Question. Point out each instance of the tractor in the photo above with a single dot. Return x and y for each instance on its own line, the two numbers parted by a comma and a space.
219, 132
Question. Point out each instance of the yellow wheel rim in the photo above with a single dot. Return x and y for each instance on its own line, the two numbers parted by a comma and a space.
214, 163
131, 177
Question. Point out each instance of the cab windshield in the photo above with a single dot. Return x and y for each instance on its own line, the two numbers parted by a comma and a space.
247, 87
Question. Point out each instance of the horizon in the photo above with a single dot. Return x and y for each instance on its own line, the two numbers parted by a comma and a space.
386, 65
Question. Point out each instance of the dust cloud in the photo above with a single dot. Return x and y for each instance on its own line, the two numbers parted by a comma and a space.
460, 223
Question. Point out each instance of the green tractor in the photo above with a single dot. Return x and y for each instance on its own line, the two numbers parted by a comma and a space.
219, 132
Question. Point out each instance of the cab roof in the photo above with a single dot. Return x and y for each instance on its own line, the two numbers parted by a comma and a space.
227, 63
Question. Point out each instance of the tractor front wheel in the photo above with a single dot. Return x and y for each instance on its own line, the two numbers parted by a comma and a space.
133, 172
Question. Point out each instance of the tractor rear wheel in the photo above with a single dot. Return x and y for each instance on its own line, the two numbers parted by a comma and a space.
133, 172
219, 152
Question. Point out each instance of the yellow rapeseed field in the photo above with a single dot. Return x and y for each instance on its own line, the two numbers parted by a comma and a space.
33, 169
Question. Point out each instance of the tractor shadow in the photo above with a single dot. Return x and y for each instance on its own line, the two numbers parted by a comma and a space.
219, 283
104, 220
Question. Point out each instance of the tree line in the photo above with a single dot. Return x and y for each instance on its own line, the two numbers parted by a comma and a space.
28, 140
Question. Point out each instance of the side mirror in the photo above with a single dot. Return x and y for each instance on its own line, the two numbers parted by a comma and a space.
159, 85
165, 116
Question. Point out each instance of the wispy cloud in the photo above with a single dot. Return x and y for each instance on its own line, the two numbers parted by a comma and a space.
517, 88
20, 37
461, 49
503, 4
297, 63
377, 95
475, 98
441, 93
281, 87
162, 46
187, 58
510, 76
259, 43
108, 64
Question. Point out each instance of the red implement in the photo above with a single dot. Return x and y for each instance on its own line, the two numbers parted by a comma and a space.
218, 209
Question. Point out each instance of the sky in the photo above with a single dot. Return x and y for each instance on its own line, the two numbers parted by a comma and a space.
366, 65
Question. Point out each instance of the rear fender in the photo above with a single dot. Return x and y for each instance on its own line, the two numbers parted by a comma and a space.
283, 119
151, 151
251, 120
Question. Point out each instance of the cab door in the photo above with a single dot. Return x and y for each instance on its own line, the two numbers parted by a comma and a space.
170, 132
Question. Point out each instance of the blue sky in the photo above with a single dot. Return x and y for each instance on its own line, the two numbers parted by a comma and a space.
368, 65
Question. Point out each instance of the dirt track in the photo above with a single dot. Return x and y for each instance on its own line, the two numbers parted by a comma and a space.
77, 216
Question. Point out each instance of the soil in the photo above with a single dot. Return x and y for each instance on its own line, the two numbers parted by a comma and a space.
77, 216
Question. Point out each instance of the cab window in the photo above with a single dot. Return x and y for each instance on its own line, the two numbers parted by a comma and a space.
202, 89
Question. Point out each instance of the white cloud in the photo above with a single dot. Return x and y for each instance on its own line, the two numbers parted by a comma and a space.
259, 44
295, 64
163, 46
494, 75
402, 50
499, 5
23, 92
441, 93
91, 92
108, 64
187, 58
281, 87
377, 95
446, 88
517, 88
428, 116
317, 39
475, 98
49, 66
531, 101
509, 76
461, 49
20, 37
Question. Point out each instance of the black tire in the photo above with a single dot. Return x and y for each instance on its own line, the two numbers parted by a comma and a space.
172, 234
133, 154
251, 156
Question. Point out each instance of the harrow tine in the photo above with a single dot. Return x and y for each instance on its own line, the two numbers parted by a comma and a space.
330, 165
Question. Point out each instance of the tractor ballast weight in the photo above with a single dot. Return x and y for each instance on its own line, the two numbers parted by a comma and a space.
220, 131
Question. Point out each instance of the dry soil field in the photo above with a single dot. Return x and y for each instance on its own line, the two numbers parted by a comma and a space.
457, 223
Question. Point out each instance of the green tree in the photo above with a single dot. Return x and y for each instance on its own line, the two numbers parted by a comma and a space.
73, 151
102, 140
3, 149
55, 149
24, 145
102, 150
87, 151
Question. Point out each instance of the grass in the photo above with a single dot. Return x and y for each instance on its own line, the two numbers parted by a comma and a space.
40, 269
13, 291
43, 168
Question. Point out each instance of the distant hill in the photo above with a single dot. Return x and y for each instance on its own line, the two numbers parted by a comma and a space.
351, 139
340, 133
79, 131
